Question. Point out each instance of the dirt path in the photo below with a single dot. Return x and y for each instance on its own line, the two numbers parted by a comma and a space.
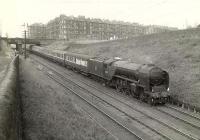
48, 113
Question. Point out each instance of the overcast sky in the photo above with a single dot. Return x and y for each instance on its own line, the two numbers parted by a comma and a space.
176, 13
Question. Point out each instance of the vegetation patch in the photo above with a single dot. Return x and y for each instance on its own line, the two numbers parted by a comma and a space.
178, 52
49, 112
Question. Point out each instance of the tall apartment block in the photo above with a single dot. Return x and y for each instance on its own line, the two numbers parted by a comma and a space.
37, 31
69, 27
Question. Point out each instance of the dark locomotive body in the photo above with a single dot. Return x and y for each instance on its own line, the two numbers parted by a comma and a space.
144, 81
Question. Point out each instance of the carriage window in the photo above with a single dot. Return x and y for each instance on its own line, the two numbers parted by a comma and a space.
72, 59
78, 61
84, 63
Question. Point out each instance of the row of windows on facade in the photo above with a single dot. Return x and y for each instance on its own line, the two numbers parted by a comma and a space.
94, 26
88, 22
67, 27
85, 31
56, 32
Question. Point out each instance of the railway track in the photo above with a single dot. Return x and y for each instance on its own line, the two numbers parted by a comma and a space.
94, 105
185, 134
192, 120
183, 111
122, 112
189, 119
165, 124
194, 124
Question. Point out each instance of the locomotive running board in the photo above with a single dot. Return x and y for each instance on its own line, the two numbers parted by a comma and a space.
133, 81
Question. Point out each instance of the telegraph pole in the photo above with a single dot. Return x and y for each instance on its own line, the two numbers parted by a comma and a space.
25, 33
25, 44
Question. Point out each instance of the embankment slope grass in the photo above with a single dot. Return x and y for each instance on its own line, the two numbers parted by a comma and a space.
177, 52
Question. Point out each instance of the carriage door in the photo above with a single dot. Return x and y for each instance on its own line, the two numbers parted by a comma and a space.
106, 70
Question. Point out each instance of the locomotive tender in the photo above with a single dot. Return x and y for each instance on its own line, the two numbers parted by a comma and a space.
143, 81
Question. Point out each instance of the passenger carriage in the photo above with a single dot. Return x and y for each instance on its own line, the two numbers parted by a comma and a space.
77, 61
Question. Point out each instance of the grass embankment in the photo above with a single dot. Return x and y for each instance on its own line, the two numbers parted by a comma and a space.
178, 52
49, 112
10, 122
4, 58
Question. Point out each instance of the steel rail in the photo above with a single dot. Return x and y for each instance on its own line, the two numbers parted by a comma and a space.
183, 112
106, 93
94, 106
185, 121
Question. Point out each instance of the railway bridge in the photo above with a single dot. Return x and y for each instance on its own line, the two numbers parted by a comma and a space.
22, 41
18, 42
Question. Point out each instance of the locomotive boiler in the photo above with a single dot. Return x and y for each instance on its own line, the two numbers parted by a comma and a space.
144, 81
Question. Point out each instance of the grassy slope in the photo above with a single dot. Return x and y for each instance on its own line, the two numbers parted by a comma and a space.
63, 44
49, 112
4, 59
177, 52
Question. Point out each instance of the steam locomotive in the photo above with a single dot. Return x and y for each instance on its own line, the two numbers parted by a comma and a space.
146, 82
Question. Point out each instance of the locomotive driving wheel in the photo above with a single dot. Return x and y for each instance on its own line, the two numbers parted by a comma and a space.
118, 88
128, 91
123, 91
141, 97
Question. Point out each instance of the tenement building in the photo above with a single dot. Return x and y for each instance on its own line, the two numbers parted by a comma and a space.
37, 31
69, 27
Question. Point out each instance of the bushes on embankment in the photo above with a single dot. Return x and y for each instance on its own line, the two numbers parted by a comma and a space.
10, 104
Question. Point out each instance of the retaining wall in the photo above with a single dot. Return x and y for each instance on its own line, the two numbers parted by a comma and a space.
10, 124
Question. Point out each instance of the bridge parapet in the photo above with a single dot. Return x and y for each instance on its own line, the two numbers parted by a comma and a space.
21, 41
